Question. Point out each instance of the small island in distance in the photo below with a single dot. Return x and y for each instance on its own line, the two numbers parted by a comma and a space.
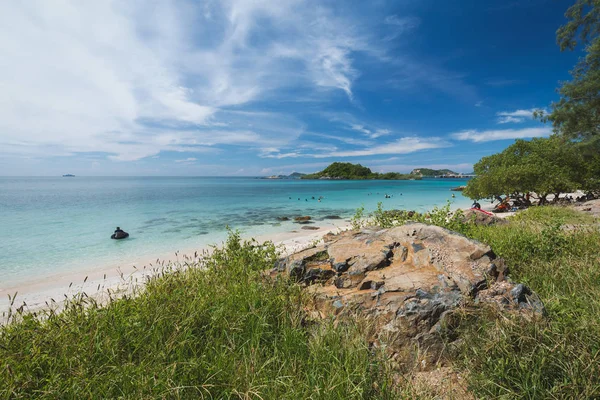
349, 171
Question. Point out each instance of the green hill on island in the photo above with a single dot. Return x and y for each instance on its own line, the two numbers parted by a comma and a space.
432, 172
339, 170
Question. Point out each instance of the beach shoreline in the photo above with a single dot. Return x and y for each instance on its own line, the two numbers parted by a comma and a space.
52, 290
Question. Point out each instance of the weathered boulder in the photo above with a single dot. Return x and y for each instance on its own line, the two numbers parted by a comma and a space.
407, 279
311, 228
304, 218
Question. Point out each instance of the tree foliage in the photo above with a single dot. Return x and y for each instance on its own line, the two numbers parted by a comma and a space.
543, 166
577, 114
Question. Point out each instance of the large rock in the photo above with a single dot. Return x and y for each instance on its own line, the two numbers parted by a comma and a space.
407, 279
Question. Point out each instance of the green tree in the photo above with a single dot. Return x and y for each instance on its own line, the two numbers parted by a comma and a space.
577, 114
542, 165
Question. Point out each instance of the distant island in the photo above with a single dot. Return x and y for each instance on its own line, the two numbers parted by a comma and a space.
349, 171
439, 173
68, 176
293, 175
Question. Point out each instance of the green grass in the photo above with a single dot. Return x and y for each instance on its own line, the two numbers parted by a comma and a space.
557, 357
226, 332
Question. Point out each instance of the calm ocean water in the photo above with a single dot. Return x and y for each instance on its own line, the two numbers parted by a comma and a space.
54, 225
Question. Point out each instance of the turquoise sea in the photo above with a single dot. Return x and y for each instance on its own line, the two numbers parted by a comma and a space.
56, 225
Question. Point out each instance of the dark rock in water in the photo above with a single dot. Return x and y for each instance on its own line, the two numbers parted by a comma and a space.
332, 217
119, 235
304, 222
283, 219
311, 228
304, 218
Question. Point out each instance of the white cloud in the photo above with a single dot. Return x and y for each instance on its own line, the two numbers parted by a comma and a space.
501, 134
403, 145
343, 139
187, 160
379, 133
517, 116
400, 25
132, 80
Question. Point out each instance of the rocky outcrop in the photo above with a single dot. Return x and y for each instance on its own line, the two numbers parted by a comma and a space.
407, 279
302, 219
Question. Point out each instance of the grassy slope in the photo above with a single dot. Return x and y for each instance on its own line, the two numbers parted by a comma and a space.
558, 357
230, 333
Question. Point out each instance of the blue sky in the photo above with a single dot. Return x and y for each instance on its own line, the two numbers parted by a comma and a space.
260, 87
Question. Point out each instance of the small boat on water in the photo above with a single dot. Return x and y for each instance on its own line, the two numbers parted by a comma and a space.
68, 176
458, 188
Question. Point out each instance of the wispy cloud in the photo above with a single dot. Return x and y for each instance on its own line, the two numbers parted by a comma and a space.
403, 145
502, 134
189, 160
343, 139
141, 80
517, 116
399, 25
372, 133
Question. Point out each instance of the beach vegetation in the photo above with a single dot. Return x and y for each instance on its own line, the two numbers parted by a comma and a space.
541, 166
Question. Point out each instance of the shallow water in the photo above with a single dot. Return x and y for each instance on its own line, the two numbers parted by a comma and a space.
54, 225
